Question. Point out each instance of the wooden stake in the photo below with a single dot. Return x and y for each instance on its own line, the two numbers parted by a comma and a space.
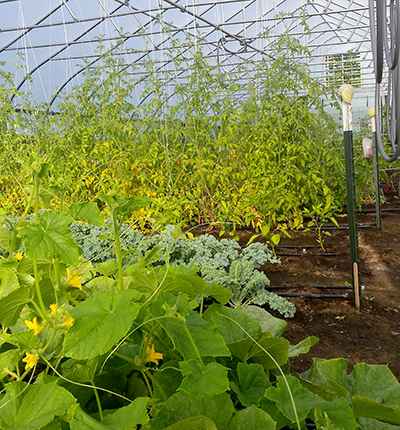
356, 287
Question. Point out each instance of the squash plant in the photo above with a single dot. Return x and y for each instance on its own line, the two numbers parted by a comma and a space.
86, 347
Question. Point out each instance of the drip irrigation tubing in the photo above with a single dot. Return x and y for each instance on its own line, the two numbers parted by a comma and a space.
313, 254
314, 296
320, 287
383, 210
341, 227
298, 246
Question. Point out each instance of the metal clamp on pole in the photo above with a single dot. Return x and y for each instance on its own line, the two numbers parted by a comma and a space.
346, 93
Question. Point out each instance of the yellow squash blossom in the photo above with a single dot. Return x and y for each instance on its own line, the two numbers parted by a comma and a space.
34, 325
73, 280
18, 256
54, 309
30, 360
69, 321
151, 355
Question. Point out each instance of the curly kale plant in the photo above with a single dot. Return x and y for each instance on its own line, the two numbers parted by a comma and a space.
219, 262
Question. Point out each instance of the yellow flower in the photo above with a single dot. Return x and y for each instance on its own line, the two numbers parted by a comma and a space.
34, 325
151, 355
30, 360
73, 280
11, 374
69, 321
18, 256
54, 309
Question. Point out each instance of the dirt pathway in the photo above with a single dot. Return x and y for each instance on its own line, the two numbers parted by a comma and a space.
372, 335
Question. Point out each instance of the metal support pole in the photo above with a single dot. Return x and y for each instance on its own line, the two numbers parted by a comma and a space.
378, 209
346, 93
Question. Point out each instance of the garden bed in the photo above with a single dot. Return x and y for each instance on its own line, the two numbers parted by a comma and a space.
372, 335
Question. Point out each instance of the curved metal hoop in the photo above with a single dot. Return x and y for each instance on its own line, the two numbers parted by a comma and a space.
381, 49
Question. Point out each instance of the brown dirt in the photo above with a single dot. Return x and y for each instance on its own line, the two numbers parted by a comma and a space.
371, 335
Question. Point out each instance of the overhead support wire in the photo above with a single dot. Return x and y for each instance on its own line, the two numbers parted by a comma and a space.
58, 52
110, 17
69, 10
126, 37
184, 9
25, 32
247, 45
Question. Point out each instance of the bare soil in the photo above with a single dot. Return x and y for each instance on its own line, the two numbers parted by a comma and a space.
371, 335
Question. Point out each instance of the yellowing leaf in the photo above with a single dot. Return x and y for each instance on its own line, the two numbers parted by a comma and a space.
275, 239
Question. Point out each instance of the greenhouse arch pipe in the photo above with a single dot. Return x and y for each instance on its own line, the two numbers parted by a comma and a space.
59, 51
380, 46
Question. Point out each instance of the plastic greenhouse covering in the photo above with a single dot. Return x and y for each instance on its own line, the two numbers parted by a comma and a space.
55, 40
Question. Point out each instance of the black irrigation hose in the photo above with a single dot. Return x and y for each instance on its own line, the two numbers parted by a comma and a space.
322, 254
298, 246
383, 210
320, 287
379, 41
341, 227
314, 296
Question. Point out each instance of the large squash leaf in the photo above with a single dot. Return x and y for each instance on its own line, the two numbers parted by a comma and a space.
99, 322
180, 406
51, 236
30, 407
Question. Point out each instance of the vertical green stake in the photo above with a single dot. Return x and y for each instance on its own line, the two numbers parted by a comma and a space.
346, 93
378, 210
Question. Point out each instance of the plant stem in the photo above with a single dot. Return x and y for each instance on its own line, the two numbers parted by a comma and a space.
27, 206
48, 343
37, 183
96, 394
35, 270
193, 344
201, 305
21, 378
120, 281
14, 239
146, 374
38, 292
155, 382
36, 307
148, 384
57, 274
